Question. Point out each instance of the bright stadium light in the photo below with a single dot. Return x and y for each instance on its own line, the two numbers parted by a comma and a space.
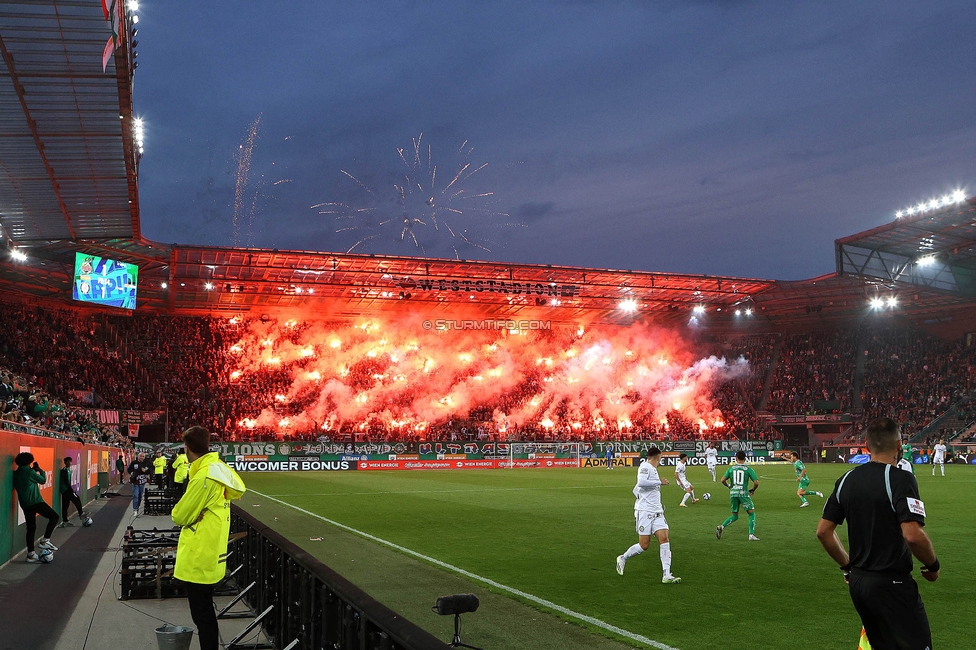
628, 305
139, 133
876, 303
748, 311
957, 196
928, 260
699, 309
164, 285
892, 301
132, 5
18, 255
208, 286
738, 312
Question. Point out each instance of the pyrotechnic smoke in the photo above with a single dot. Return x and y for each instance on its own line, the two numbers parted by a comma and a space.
423, 206
243, 157
402, 377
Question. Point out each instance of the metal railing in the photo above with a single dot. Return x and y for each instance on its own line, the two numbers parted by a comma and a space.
313, 606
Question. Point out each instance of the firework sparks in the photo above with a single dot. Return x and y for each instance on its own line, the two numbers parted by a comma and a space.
241, 190
419, 207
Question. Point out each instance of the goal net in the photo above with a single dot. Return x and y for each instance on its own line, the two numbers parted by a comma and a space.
543, 454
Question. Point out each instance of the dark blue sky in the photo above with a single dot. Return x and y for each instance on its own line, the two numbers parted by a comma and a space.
720, 137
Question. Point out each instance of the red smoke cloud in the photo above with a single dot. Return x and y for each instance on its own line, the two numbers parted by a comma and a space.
399, 376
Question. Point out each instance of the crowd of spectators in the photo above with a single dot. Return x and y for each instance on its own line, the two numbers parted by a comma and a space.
814, 367
913, 378
188, 366
23, 402
68, 354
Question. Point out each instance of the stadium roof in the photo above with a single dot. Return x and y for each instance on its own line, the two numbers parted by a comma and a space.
68, 183
68, 160
933, 248
210, 280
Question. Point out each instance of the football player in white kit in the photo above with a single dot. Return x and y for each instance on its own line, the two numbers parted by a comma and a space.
680, 468
938, 457
711, 459
649, 513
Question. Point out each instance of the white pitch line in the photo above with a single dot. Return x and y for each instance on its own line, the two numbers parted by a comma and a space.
488, 581
477, 490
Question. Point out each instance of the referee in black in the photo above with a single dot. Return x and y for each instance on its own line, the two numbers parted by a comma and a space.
884, 529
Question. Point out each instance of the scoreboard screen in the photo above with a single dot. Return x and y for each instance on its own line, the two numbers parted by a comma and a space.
103, 281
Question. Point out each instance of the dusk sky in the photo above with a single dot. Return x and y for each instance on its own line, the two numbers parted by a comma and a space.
720, 137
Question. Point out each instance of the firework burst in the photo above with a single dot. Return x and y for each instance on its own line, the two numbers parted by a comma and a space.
423, 206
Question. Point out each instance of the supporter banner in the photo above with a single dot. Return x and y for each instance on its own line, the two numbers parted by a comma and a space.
114, 416
83, 396
26, 428
368, 449
807, 419
727, 447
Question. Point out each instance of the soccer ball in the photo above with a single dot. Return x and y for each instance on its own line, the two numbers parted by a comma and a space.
706, 496
46, 557
87, 522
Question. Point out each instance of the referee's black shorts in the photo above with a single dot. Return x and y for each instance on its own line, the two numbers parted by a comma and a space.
891, 611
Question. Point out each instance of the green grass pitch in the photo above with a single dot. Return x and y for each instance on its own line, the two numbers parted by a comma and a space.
555, 534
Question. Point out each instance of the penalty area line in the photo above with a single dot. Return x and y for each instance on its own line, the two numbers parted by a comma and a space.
473, 576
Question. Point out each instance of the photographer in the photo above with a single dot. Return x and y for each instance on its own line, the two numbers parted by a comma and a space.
27, 479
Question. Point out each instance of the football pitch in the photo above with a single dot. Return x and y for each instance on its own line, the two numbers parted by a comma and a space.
538, 546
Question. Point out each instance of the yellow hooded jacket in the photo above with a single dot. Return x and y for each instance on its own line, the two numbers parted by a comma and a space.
204, 514
160, 464
181, 467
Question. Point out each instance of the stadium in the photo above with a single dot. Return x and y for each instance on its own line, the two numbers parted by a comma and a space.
411, 428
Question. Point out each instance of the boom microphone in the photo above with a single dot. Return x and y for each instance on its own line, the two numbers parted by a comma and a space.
456, 604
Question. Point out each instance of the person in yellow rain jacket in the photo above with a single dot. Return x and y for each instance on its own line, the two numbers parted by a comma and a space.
159, 465
204, 514
181, 471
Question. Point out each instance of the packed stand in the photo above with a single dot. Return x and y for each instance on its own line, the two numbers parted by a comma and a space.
814, 367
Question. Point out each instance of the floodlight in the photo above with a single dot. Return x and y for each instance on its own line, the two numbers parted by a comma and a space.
898, 214
892, 301
164, 285
738, 312
18, 255
928, 260
699, 309
958, 196
748, 312
132, 5
877, 303
208, 286
628, 305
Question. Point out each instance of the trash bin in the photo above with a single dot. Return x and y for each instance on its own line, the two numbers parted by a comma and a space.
174, 637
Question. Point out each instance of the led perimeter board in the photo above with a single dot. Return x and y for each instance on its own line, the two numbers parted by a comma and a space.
103, 281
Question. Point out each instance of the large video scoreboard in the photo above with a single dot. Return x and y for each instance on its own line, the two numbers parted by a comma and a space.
103, 281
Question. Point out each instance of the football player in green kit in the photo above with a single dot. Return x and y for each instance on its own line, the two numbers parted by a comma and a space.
740, 495
802, 479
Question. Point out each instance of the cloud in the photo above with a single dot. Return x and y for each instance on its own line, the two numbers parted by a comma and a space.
529, 212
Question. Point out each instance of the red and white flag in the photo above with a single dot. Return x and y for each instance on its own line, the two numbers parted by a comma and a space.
112, 10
